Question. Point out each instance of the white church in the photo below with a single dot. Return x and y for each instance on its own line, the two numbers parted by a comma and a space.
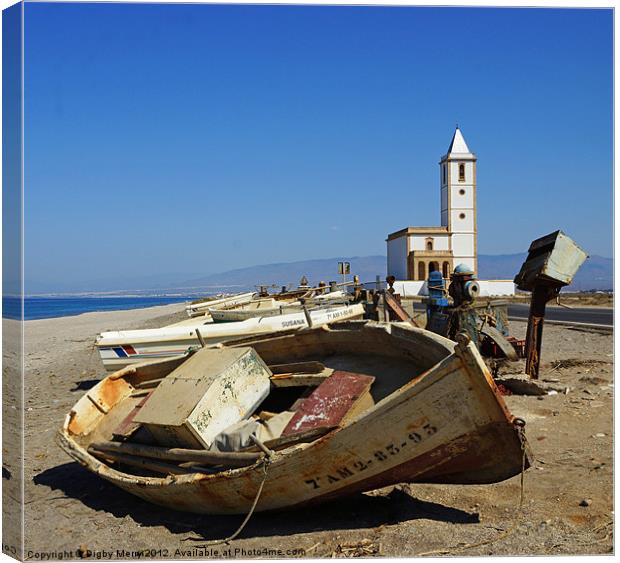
414, 251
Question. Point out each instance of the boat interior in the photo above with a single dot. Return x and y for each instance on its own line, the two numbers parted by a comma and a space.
318, 380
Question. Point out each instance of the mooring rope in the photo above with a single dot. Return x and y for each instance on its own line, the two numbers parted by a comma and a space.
230, 538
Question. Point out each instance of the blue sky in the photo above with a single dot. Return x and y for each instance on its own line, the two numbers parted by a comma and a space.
197, 138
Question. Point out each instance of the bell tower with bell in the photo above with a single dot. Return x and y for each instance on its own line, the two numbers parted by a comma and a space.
458, 200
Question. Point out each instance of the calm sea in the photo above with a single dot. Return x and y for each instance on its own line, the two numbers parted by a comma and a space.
47, 307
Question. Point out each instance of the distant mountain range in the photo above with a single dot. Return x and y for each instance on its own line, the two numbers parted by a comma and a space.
290, 273
596, 273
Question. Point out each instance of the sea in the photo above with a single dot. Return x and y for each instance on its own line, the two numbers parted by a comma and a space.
49, 307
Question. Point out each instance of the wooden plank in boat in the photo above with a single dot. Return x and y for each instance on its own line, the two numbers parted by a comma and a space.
128, 426
298, 380
293, 439
297, 367
332, 401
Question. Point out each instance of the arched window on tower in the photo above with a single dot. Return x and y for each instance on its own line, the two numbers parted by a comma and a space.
421, 271
443, 173
461, 172
429, 243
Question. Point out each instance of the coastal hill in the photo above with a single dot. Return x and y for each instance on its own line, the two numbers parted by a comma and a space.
596, 273
285, 273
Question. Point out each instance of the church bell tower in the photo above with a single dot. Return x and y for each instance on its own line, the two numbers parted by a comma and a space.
458, 200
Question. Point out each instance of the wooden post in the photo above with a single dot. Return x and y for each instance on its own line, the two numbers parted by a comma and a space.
200, 338
541, 294
306, 312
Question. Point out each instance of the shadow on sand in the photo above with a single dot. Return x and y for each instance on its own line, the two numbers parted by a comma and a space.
355, 512
84, 385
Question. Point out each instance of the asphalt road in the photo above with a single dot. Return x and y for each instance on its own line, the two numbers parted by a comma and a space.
590, 315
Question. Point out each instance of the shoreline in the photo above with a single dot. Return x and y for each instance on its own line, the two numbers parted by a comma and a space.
53, 343
52, 308
179, 306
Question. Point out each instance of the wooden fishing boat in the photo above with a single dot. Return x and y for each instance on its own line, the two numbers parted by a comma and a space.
270, 307
121, 348
201, 308
267, 307
436, 416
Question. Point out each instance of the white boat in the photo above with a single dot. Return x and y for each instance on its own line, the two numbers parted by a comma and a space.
202, 307
121, 348
256, 308
270, 307
338, 294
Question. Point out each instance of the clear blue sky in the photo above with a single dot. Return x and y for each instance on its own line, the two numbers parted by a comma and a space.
197, 138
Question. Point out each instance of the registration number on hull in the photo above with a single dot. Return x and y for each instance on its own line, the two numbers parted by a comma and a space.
422, 429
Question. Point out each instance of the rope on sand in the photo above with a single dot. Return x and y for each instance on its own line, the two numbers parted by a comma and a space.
230, 538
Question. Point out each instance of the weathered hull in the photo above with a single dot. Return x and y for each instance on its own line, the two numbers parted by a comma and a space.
199, 309
447, 424
245, 312
119, 349
256, 308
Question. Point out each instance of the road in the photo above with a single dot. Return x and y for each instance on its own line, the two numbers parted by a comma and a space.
588, 315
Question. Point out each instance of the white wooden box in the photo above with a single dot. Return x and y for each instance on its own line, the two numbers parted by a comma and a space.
212, 390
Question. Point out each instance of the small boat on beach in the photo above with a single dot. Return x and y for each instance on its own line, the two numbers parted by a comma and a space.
368, 405
270, 307
120, 348
201, 307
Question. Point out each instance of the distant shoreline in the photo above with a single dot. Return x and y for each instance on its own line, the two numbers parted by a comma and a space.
137, 315
39, 308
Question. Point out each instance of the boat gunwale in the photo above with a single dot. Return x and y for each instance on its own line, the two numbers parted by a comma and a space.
89, 460
393, 400
186, 333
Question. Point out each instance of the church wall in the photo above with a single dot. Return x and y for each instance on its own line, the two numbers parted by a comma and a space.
418, 242
454, 172
467, 260
397, 258
466, 224
462, 245
459, 199
488, 288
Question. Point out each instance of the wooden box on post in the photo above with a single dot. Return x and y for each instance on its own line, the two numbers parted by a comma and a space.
552, 259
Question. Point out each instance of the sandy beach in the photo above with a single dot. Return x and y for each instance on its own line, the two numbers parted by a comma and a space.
567, 503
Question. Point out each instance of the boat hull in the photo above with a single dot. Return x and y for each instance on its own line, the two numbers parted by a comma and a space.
448, 424
201, 308
120, 349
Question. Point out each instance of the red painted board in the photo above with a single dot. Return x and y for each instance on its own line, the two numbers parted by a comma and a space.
127, 427
329, 402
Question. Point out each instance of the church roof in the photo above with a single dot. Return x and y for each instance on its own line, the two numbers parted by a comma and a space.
458, 144
418, 231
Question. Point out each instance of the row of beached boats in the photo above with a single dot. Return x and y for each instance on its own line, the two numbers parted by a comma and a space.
290, 409
228, 318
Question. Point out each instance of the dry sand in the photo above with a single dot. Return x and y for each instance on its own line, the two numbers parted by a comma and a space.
570, 434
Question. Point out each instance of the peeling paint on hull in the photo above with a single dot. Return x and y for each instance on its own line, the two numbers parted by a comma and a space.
446, 423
